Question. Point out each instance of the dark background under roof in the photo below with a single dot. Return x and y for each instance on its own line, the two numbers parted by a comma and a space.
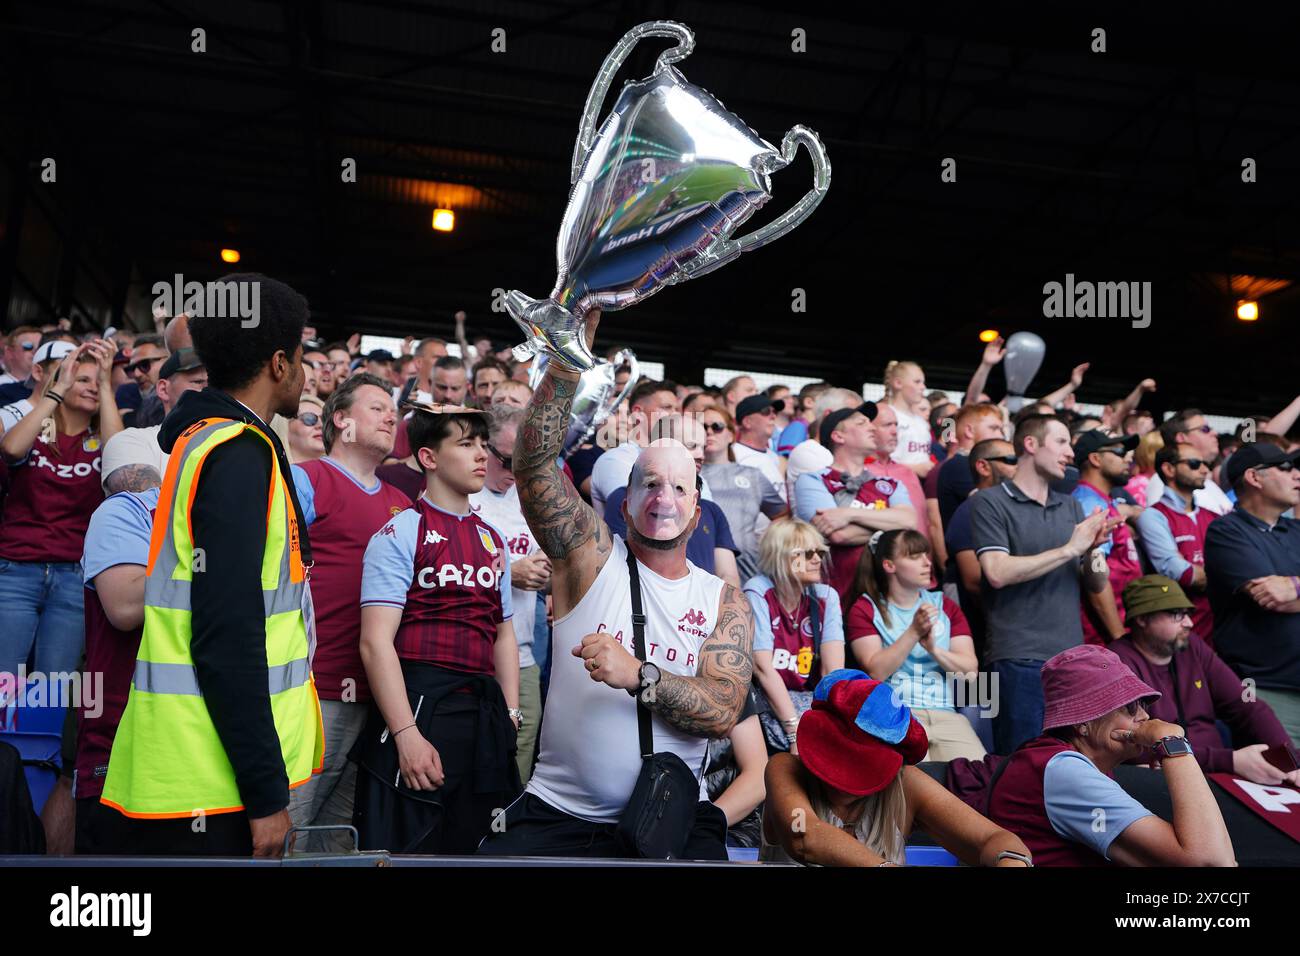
1122, 166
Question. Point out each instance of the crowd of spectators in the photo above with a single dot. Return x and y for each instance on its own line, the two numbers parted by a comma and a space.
894, 554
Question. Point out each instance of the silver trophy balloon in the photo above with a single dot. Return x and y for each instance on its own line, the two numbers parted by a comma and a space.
598, 395
657, 192
1024, 357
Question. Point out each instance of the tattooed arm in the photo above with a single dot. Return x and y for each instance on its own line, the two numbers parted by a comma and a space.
565, 526
709, 704
132, 478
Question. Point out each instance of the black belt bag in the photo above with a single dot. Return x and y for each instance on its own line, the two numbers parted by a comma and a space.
658, 819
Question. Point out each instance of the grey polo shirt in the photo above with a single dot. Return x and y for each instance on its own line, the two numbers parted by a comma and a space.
1035, 619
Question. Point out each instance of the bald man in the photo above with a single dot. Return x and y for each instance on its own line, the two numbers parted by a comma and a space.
695, 654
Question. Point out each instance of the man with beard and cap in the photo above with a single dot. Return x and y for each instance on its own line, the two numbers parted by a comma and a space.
1105, 464
698, 640
1197, 689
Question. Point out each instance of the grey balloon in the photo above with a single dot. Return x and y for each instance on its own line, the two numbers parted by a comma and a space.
1024, 358
598, 395
658, 189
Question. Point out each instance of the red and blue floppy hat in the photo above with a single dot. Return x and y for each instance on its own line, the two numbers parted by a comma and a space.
858, 734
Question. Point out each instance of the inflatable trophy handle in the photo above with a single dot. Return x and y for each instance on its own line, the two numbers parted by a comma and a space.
596, 98
727, 249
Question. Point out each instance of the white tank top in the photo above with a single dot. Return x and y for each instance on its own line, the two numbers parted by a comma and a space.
590, 754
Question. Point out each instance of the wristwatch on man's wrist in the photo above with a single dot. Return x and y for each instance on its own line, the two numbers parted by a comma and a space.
517, 716
647, 676
1173, 746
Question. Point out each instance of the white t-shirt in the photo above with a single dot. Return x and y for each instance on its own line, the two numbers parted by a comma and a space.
134, 446
613, 469
1211, 497
503, 512
11, 415
766, 461
913, 438
589, 753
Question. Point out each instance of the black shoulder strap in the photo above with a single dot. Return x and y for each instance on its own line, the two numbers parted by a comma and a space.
815, 613
993, 782
638, 648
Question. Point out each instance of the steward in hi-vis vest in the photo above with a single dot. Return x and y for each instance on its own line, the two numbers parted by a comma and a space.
223, 718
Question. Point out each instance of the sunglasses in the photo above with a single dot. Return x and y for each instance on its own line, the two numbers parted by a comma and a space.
310, 419
1203, 429
1005, 459
27, 346
1280, 466
809, 553
506, 460
1133, 706
716, 427
1196, 464
144, 363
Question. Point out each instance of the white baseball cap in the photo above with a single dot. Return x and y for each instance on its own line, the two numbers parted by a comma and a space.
808, 457
53, 349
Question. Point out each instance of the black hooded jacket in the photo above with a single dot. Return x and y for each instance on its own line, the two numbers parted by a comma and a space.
228, 643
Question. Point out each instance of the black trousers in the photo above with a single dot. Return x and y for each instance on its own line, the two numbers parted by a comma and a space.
102, 830
453, 818
532, 827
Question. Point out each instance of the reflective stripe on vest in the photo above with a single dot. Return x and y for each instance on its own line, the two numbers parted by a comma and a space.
155, 678
167, 758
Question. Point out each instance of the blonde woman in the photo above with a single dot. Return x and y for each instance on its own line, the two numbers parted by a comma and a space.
54, 454
1144, 461
306, 431
905, 392
851, 797
798, 628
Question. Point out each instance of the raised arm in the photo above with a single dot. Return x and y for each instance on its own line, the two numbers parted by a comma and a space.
993, 353
566, 527
1069, 388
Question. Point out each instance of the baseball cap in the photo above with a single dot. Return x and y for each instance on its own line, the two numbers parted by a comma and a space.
1154, 592
1253, 455
832, 421
1096, 440
755, 404
380, 355
53, 349
182, 360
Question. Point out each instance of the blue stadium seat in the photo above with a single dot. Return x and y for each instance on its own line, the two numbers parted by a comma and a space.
930, 856
37, 733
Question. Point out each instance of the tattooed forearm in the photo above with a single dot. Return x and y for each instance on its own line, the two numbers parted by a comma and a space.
559, 518
709, 704
541, 437
132, 478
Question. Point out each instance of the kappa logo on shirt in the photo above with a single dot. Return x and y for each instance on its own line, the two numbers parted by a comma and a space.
692, 622
432, 537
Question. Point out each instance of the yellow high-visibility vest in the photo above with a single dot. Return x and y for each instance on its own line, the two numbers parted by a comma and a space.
167, 758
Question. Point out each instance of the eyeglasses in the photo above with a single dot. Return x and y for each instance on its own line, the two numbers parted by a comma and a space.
1196, 464
144, 363
310, 419
1005, 459
716, 427
1203, 429
506, 460
809, 553
1133, 706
